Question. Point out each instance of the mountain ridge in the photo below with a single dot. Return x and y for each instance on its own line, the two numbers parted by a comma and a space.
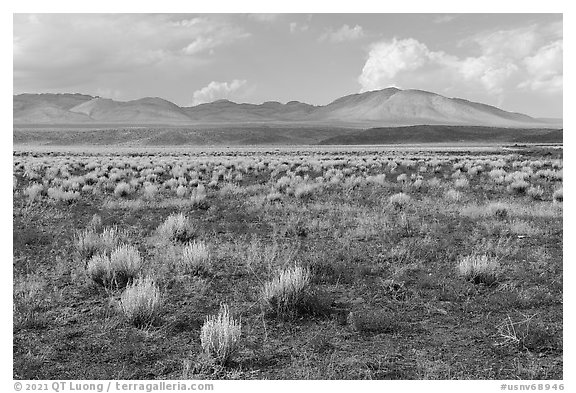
390, 107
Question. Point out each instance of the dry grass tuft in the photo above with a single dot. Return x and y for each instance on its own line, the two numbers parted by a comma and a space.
176, 227
220, 336
89, 242
196, 258
480, 269
118, 270
141, 302
288, 292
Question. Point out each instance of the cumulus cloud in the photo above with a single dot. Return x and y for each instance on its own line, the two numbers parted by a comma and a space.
523, 57
545, 68
343, 34
217, 90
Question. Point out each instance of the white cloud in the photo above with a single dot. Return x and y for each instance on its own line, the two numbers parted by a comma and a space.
296, 27
265, 18
199, 45
386, 59
444, 19
545, 68
505, 59
217, 90
343, 34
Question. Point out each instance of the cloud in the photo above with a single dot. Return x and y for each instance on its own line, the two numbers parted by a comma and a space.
217, 90
444, 19
545, 68
296, 27
386, 59
526, 58
265, 18
343, 34
61, 50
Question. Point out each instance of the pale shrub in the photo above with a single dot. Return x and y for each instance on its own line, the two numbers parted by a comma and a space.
479, 269
434, 182
274, 197
181, 191
519, 186
498, 209
89, 243
57, 194
399, 200
34, 191
377, 179
305, 190
141, 302
99, 270
116, 270
196, 258
535, 193
287, 293
150, 191
122, 189
176, 227
558, 195
220, 336
402, 178
453, 195
461, 183
126, 263
198, 196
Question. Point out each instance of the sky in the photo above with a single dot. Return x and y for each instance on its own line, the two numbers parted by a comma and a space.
513, 61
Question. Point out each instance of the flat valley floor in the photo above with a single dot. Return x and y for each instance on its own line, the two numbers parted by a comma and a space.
418, 263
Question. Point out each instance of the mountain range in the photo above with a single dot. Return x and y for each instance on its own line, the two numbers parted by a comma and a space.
389, 107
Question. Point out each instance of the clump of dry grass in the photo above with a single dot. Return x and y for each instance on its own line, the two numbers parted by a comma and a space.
196, 258
535, 193
305, 190
498, 209
176, 227
122, 189
34, 192
198, 196
461, 182
558, 195
117, 270
220, 336
480, 269
398, 201
141, 302
28, 300
89, 242
519, 186
274, 197
453, 195
288, 292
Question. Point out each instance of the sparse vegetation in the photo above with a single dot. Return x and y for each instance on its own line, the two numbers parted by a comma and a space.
364, 259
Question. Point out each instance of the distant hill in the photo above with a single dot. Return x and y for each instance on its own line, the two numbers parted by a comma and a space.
390, 107
278, 135
175, 136
442, 133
